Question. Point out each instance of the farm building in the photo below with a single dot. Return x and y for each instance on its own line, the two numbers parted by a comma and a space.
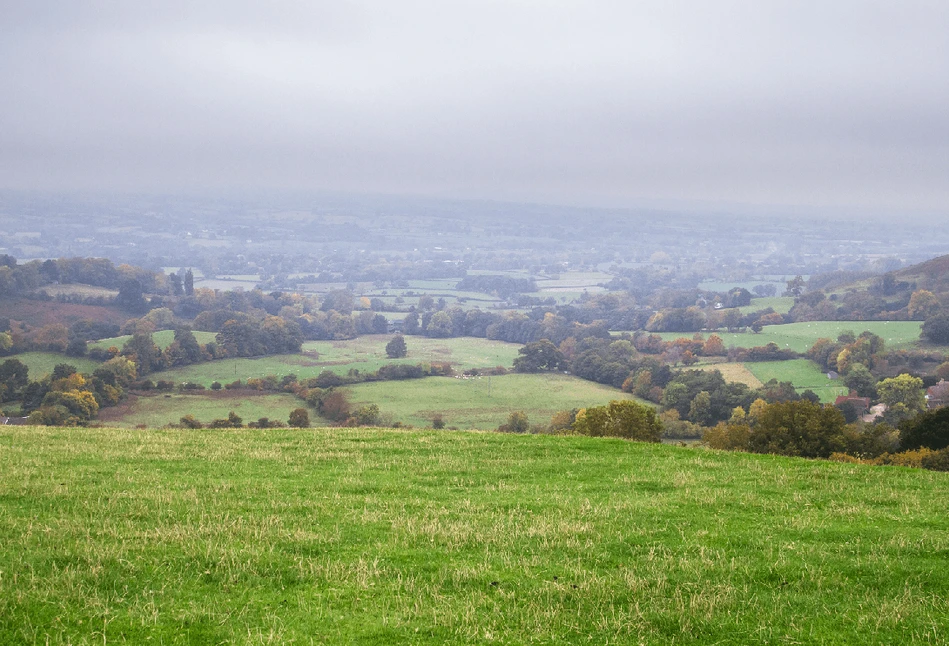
860, 404
938, 396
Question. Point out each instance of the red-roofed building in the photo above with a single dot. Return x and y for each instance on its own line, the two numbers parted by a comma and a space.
860, 404
938, 396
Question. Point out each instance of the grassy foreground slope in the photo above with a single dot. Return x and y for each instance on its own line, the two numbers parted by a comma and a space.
377, 537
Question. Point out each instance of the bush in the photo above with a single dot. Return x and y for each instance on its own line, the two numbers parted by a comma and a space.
299, 418
396, 348
438, 422
799, 428
516, 423
727, 436
937, 460
188, 421
625, 419
929, 429
216, 385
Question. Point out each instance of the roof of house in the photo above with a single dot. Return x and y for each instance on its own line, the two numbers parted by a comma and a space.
862, 401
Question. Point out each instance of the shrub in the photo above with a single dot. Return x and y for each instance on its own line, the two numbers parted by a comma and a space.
937, 460
727, 436
299, 418
516, 423
188, 421
216, 385
625, 419
929, 429
438, 421
396, 348
798, 428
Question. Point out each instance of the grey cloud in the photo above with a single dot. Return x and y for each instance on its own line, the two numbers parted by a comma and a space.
834, 102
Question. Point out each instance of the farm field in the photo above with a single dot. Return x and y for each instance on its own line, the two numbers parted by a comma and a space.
376, 537
733, 371
803, 373
41, 364
780, 304
365, 353
801, 336
482, 403
162, 338
157, 410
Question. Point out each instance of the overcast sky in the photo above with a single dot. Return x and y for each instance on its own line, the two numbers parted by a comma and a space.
826, 102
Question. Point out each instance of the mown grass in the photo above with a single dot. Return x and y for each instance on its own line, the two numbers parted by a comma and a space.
801, 336
160, 410
41, 364
365, 353
803, 373
482, 402
380, 537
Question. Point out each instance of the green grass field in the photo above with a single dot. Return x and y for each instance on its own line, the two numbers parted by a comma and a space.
780, 304
801, 336
158, 410
482, 403
41, 364
361, 536
162, 338
803, 373
365, 353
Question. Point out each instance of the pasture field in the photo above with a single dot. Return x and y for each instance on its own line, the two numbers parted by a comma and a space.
363, 536
162, 338
41, 364
76, 289
365, 353
158, 410
801, 336
482, 402
780, 304
803, 373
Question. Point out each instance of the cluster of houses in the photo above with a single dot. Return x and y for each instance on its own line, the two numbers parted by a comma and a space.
936, 397
12, 421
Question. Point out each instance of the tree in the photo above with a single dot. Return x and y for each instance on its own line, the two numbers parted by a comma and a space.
189, 283
131, 297
516, 423
798, 428
177, 288
410, 325
795, 286
929, 430
367, 415
936, 328
922, 305
903, 396
440, 325
860, 380
14, 376
143, 351
299, 418
625, 419
700, 410
397, 348
714, 347
538, 356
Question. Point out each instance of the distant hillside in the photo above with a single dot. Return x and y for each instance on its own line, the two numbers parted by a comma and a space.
882, 297
41, 312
